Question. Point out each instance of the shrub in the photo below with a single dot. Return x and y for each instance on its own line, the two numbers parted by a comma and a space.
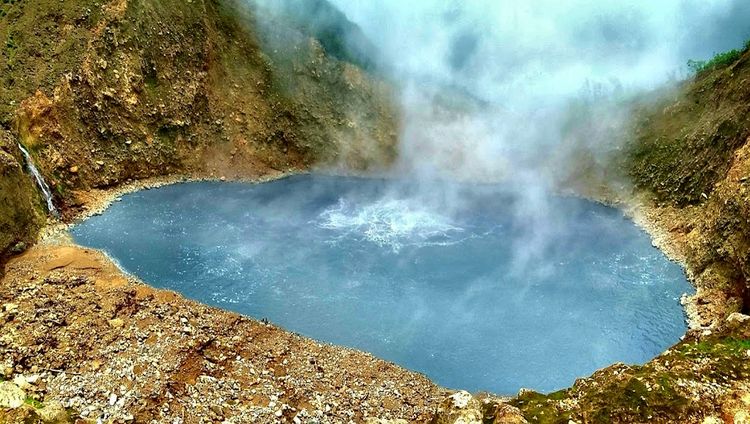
719, 60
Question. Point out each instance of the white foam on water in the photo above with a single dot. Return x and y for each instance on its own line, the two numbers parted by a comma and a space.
392, 223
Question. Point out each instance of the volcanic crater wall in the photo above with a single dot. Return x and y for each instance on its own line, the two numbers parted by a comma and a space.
691, 152
102, 93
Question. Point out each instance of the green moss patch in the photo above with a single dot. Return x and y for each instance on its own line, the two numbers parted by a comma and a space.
33, 403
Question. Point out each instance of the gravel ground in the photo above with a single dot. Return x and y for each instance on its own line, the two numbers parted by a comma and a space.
111, 349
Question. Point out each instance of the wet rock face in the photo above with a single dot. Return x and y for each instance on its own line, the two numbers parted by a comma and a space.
20, 207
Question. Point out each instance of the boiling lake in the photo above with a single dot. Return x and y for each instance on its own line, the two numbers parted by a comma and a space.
475, 286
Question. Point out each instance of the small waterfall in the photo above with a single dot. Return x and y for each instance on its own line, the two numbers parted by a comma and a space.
39, 181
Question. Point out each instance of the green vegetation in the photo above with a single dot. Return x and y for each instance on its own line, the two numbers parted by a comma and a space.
33, 55
10, 44
543, 409
33, 403
728, 346
684, 137
637, 398
720, 60
6, 4
655, 392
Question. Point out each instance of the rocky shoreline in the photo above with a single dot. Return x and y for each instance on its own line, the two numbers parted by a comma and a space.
653, 220
81, 336
672, 231
130, 313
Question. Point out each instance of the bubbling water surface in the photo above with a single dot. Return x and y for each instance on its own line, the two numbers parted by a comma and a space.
472, 288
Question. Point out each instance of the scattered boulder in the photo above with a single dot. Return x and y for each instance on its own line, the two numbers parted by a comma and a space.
6, 369
217, 409
11, 396
507, 414
741, 417
116, 323
21, 382
53, 412
459, 408
736, 317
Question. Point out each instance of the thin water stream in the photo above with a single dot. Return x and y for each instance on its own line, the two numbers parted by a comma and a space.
43, 187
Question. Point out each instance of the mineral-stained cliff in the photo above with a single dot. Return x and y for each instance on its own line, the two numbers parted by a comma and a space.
104, 92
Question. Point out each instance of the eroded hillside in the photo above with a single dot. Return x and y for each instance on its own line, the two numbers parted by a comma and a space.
103, 93
691, 153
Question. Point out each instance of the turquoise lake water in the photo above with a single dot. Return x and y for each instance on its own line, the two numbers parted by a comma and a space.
469, 284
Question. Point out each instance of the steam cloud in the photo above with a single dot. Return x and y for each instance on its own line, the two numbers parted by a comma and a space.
524, 92
518, 65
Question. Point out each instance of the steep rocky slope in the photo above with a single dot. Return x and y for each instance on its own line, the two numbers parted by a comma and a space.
20, 209
691, 155
106, 92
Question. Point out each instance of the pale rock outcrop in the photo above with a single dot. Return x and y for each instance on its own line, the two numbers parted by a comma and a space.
738, 317
459, 408
53, 413
11, 396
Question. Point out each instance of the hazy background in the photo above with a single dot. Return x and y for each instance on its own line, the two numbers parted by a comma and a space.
531, 94
487, 85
